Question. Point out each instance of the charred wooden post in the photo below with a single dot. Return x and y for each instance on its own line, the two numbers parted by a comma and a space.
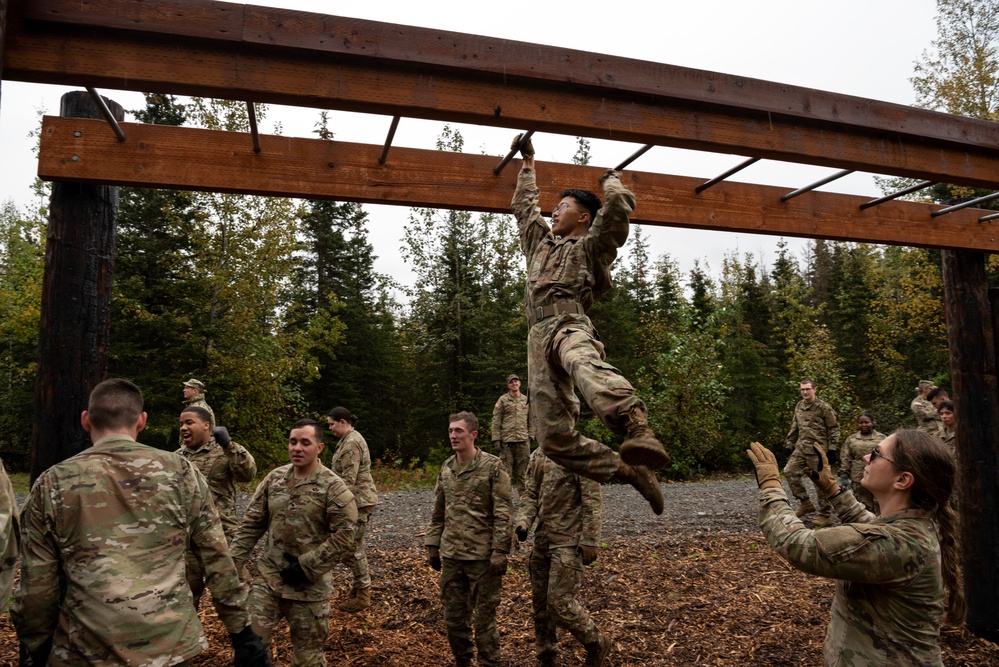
76, 305
971, 327
3, 35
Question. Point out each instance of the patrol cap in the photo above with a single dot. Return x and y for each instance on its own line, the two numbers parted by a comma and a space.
195, 384
925, 384
511, 377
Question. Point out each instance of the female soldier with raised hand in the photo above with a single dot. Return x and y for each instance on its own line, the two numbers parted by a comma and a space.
898, 575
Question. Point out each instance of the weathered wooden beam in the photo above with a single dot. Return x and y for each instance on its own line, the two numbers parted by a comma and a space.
278, 61
75, 318
973, 372
84, 151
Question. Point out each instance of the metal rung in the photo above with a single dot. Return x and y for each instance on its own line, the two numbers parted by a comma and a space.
721, 177
513, 151
895, 195
958, 207
816, 184
637, 154
251, 112
108, 116
388, 140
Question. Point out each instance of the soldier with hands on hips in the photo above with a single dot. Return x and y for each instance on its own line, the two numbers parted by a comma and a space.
468, 540
568, 510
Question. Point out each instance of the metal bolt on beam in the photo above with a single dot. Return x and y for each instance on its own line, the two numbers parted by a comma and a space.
388, 140
108, 116
251, 112
958, 207
634, 156
513, 151
816, 184
721, 177
922, 185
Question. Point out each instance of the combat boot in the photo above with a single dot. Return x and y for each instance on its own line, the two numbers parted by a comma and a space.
359, 600
642, 448
597, 652
806, 507
547, 660
645, 483
821, 521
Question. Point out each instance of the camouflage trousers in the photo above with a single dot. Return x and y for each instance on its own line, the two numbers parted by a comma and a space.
358, 560
556, 575
794, 471
563, 355
515, 456
308, 623
470, 595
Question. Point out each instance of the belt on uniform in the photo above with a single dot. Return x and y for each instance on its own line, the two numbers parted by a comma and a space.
535, 315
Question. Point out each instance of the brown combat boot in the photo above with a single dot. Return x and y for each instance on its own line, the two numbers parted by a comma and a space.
642, 448
645, 483
547, 660
821, 521
806, 507
359, 600
597, 652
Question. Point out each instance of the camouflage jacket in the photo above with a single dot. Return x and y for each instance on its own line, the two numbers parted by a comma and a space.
853, 451
926, 416
222, 468
312, 518
568, 507
815, 421
575, 268
9, 538
890, 597
512, 419
472, 505
198, 401
352, 462
103, 577
948, 437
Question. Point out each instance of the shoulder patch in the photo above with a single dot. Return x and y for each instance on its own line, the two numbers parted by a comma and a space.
343, 498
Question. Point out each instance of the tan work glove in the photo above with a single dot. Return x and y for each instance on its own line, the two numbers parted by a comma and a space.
767, 472
823, 477
527, 150
588, 553
497, 564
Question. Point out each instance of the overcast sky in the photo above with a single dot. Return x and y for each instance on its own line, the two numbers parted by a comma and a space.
857, 47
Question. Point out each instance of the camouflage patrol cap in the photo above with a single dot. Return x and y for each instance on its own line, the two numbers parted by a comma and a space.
511, 377
925, 384
195, 384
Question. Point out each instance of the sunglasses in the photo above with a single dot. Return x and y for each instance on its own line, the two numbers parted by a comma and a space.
876, 452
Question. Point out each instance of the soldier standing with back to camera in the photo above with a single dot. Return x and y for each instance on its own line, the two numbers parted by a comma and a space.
814, 422
512, 428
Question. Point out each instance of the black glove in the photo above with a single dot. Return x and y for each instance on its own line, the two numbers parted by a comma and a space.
248, 649
37, 658
833, 457
434, 558
521, 532
222, 436
293, 574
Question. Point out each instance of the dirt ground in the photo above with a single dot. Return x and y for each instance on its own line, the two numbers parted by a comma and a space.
697, 586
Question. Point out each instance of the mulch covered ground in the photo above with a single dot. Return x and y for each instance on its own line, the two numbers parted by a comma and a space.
718, 600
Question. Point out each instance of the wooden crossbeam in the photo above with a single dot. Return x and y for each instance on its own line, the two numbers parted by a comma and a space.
279, 56
87, 151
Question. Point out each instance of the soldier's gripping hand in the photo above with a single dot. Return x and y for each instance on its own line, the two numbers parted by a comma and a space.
833, 457
765, 463
222, 436
844, 481
293, 574
526, 150
248, 649
497, 564
823, 477
434, 558
588, 553
610, 173
521, 531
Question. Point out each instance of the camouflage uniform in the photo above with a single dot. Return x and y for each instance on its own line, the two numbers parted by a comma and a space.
9, 534
851, 462
564, 277
512, 427
104, 535
890, 597
313, 519
568, 509
471, 521
221, 468
352, 462
813, 422
927, 419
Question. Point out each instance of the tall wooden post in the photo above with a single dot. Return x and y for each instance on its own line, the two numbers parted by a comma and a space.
76, 305
971, 329
3, 34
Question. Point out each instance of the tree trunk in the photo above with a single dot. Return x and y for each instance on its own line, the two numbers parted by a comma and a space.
971, 326
76, 305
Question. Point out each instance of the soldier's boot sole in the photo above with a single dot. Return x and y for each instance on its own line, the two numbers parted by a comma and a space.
645, 451
597, 652
806, 507
360, 601
645, 482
